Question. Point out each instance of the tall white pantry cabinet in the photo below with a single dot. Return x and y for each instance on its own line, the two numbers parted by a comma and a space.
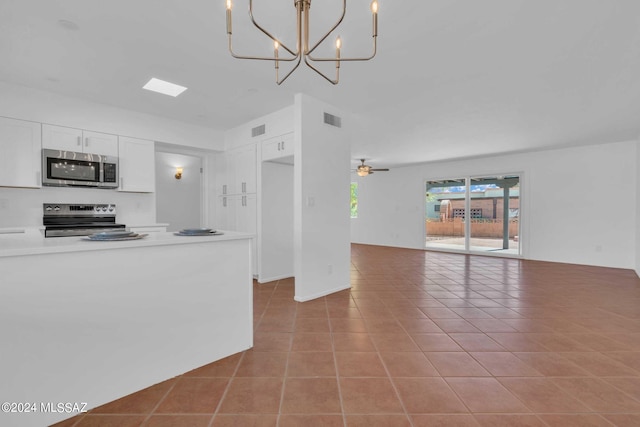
236, 193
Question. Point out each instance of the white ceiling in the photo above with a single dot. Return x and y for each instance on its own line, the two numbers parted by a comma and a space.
452, 78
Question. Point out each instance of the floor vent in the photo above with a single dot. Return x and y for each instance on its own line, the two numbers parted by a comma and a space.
258, 130
332, 120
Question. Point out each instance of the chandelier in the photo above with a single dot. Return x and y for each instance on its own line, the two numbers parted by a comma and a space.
302, 50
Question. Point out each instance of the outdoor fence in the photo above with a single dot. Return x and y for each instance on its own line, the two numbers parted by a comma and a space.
454, 227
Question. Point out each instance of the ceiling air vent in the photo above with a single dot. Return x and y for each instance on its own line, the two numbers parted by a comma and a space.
258, 130
332, 120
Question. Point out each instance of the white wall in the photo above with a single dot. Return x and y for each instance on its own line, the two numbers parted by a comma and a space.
321, 201
276, 216
25, 103
277, 123
178, 200
578, 204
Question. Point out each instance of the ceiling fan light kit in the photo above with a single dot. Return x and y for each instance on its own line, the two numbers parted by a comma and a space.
364, 170
302, 50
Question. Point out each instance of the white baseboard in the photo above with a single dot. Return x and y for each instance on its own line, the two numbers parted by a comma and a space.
274, 278
320, 294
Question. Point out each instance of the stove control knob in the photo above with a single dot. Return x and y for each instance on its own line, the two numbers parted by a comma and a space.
57, 208
48, 208
111, 208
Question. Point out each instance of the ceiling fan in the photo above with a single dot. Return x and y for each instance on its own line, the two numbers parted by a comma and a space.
364, 170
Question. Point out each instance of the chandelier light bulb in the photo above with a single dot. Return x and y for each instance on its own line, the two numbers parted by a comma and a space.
229, 5
276, 45
374, 6
338, 43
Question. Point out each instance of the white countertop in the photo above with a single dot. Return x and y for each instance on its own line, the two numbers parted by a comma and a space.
23, 244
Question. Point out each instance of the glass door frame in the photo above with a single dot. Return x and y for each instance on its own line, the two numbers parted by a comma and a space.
467, 223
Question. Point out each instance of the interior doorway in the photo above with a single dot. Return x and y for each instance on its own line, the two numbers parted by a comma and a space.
478, 214
179, 200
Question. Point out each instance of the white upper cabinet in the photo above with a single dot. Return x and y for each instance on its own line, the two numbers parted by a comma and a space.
277, 147
239, 171
100, 143
61, 138
84, 141
245, 169
137, 165
20, 153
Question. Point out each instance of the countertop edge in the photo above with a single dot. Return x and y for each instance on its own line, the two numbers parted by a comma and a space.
11, 245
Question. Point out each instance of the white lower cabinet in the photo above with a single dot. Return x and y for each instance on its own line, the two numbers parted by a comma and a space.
20, 153
239, 213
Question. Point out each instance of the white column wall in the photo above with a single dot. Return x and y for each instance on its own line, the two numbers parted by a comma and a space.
578, 204
321, 201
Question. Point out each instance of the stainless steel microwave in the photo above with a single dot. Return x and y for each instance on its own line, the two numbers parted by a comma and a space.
71, 169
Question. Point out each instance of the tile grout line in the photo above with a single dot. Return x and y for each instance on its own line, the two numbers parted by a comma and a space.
335, 364
286, 366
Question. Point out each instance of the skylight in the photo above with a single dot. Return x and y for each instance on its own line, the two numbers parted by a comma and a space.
166, 88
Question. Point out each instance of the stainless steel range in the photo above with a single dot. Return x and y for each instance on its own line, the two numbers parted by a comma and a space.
62, 219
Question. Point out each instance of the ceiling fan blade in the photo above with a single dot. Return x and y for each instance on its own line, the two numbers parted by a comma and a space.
380, 170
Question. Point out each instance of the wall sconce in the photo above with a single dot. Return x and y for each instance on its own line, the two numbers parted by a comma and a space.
178, 174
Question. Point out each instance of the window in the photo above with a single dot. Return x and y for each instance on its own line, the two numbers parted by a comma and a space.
354, 200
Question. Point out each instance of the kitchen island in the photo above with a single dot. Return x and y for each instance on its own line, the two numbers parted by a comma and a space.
86, 322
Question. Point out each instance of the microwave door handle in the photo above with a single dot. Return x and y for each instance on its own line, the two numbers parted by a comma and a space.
79, 141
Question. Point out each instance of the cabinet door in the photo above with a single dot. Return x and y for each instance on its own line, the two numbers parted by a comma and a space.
137, 165
226, 213
100, 143
62, 138
71, 139
244, 161
228, 183
246, 214
221, 174
247, 222
21, 159
278, 147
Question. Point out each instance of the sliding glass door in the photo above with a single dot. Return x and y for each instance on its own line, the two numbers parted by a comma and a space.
445, 214
474, 214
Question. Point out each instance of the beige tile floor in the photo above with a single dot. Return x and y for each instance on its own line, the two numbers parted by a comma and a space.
421, 339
